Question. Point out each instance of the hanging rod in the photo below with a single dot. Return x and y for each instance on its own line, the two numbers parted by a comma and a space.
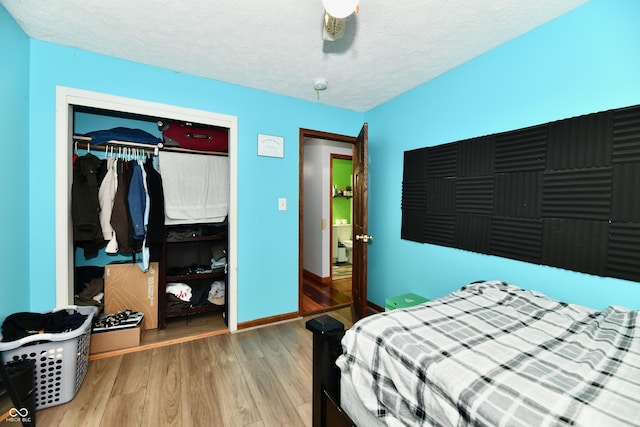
87, 140
102, 147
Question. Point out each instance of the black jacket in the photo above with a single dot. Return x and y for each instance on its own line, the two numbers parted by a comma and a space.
85, 207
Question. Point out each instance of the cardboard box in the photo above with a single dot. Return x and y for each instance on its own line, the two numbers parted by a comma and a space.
126, 286
115, 340
403, 301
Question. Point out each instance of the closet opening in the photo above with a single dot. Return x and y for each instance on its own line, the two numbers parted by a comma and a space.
81, 113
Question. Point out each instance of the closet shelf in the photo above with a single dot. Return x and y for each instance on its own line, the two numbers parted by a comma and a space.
208, 238
192, 245
183, 277
85, 141
194, 310
188, 150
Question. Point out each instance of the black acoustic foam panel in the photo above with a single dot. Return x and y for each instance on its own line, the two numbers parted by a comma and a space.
564, 193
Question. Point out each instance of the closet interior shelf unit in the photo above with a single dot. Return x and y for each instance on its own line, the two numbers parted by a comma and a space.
84, 142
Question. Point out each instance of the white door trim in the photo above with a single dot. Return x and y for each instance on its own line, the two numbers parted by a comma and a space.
66, 98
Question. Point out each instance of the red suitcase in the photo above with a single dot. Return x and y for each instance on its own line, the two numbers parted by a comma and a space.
186, 135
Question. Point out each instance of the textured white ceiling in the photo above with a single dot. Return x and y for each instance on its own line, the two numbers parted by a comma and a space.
389, 48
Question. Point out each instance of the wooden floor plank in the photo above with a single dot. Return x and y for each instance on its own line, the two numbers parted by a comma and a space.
320, 296
269, 342
297, 387
196, 357
280, 359
297, 341
87, 408
237, 406
221, 350
201, 400
133, 375
164, 392
247, 345
124, 410
127, 400
273, 403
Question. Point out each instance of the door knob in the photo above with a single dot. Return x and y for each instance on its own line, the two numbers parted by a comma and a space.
364, 237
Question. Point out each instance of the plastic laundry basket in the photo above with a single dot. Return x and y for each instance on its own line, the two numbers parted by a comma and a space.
61, 359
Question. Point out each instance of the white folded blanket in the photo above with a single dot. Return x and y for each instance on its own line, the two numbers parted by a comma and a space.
196, 187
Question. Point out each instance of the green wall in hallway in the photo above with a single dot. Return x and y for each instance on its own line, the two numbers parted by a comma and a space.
342, 170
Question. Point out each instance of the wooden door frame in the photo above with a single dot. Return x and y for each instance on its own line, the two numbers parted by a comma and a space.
307, 134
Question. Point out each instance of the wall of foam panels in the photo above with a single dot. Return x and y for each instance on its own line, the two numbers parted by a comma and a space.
564, 194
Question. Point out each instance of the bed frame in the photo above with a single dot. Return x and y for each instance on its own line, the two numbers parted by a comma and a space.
327, 333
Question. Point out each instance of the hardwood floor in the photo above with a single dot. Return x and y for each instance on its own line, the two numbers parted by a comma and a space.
318, 297
258, 377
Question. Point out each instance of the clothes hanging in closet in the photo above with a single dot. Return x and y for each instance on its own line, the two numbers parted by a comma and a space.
139, 195
155, 227
136, 198
120, 213
106, 196
85, 207
115, 201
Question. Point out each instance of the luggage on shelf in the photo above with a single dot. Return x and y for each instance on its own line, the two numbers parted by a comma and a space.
186, 135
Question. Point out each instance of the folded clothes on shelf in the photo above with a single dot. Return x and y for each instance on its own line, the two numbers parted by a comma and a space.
216, 294
180, 290
192, 269
218, 263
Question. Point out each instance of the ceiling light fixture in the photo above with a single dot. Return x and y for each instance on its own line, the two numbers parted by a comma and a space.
333, 27
340, 8
335, 17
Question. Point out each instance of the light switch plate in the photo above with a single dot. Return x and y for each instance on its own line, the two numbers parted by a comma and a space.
282, 204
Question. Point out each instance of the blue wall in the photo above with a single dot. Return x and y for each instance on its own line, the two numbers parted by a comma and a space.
582, 62
14, 167
267, 238
585, 61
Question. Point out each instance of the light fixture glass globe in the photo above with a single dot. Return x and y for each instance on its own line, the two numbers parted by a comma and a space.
340, 8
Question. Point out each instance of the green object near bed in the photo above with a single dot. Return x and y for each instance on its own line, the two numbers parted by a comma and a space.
403, 301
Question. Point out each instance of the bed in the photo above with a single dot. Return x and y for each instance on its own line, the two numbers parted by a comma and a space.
489, 354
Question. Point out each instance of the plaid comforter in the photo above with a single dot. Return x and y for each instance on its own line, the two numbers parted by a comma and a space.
494, 354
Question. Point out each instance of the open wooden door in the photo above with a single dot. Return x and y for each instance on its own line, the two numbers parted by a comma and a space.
361, 237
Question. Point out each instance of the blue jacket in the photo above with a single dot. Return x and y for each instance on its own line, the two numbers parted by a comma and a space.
137, 203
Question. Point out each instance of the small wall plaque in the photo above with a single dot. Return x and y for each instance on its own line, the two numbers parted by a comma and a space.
270, 146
